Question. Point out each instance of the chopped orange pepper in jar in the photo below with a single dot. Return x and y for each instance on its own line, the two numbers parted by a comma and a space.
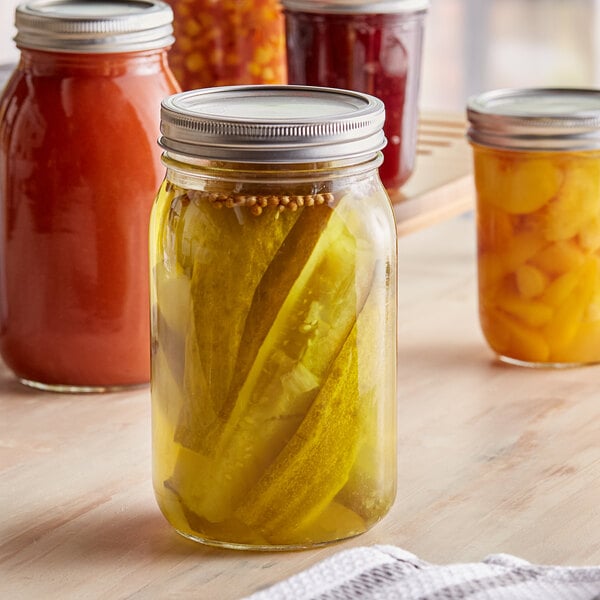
230, 42
537, 177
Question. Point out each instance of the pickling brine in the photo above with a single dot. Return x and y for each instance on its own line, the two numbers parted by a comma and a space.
273, 354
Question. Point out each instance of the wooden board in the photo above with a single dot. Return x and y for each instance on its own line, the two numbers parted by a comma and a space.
441, 185
492, 459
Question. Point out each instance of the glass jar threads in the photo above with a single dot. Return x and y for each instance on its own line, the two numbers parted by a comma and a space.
537, 176
273, 317
228, 42
372, 47
79, 170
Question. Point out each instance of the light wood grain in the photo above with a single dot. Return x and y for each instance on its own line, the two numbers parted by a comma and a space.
442, 183
492, 459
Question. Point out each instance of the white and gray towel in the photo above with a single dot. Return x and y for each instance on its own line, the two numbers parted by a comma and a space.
390, 573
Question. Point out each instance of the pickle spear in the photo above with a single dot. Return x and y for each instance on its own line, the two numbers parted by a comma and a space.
288, 371
314, 466
226, 267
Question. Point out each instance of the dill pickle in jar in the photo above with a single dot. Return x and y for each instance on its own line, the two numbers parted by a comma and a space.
273, 290
537, 175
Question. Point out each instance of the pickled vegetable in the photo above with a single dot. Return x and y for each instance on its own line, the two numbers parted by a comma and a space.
227, 43
538, 244
269, 395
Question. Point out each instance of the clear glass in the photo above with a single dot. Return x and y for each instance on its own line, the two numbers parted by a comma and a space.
227, 42
273, 353
78, 173
379, 54
538, 231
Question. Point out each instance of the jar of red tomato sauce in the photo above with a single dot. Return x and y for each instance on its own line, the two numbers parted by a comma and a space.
78, 172
372, 47
228, 42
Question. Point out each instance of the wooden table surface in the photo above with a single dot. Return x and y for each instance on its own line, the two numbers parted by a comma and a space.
493, 459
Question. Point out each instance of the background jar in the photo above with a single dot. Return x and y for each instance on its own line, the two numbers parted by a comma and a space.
78, 124
227, 42
537, 176
273, 318
372, 47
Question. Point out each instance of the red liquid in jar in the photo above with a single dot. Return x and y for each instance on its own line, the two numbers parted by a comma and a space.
379, 54
79, 168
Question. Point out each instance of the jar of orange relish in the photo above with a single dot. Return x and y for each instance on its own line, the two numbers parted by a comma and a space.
273, 259
227, 42
537, 177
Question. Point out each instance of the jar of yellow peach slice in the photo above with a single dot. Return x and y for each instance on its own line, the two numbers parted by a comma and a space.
537, 176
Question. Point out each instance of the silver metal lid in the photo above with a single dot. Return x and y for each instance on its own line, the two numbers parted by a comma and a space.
536, 119
101, 27
272, 124
356, 6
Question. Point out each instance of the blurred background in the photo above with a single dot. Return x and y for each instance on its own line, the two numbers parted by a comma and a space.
475, 45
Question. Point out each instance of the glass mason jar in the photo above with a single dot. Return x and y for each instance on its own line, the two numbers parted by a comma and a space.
372, 47
537, 175
79, 168
228, 42
273, 286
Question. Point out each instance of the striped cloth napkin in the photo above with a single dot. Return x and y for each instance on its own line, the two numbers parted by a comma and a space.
390, 573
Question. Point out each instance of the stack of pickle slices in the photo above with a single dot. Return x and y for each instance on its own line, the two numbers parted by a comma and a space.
266, 344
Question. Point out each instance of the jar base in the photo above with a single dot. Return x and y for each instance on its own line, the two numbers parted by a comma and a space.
62, 388
261, 548
544, 365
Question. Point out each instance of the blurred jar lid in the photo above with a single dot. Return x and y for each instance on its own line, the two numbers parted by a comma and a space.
536, 119
356, 6
105, 26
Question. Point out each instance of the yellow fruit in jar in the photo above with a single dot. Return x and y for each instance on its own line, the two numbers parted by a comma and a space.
518, 184
558, 258
494, 228
577, 202
510, 338
530, 312
567, 319
589, 235
531, 282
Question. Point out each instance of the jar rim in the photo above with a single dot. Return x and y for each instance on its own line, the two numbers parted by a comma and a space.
536, 118
108, 26
356, 6
272, 124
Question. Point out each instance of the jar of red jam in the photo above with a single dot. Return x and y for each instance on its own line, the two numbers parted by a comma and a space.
372, 47
228, 42
79, 168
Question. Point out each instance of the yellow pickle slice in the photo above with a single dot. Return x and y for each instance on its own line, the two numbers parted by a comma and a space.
275, 439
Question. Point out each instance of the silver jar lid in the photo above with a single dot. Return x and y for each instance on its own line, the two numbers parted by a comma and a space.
356, 6
272, 124
536, 119
101, 27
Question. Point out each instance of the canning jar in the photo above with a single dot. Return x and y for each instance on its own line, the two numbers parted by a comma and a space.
273, 317
78, 173
228, 42
537, 176
372, 47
